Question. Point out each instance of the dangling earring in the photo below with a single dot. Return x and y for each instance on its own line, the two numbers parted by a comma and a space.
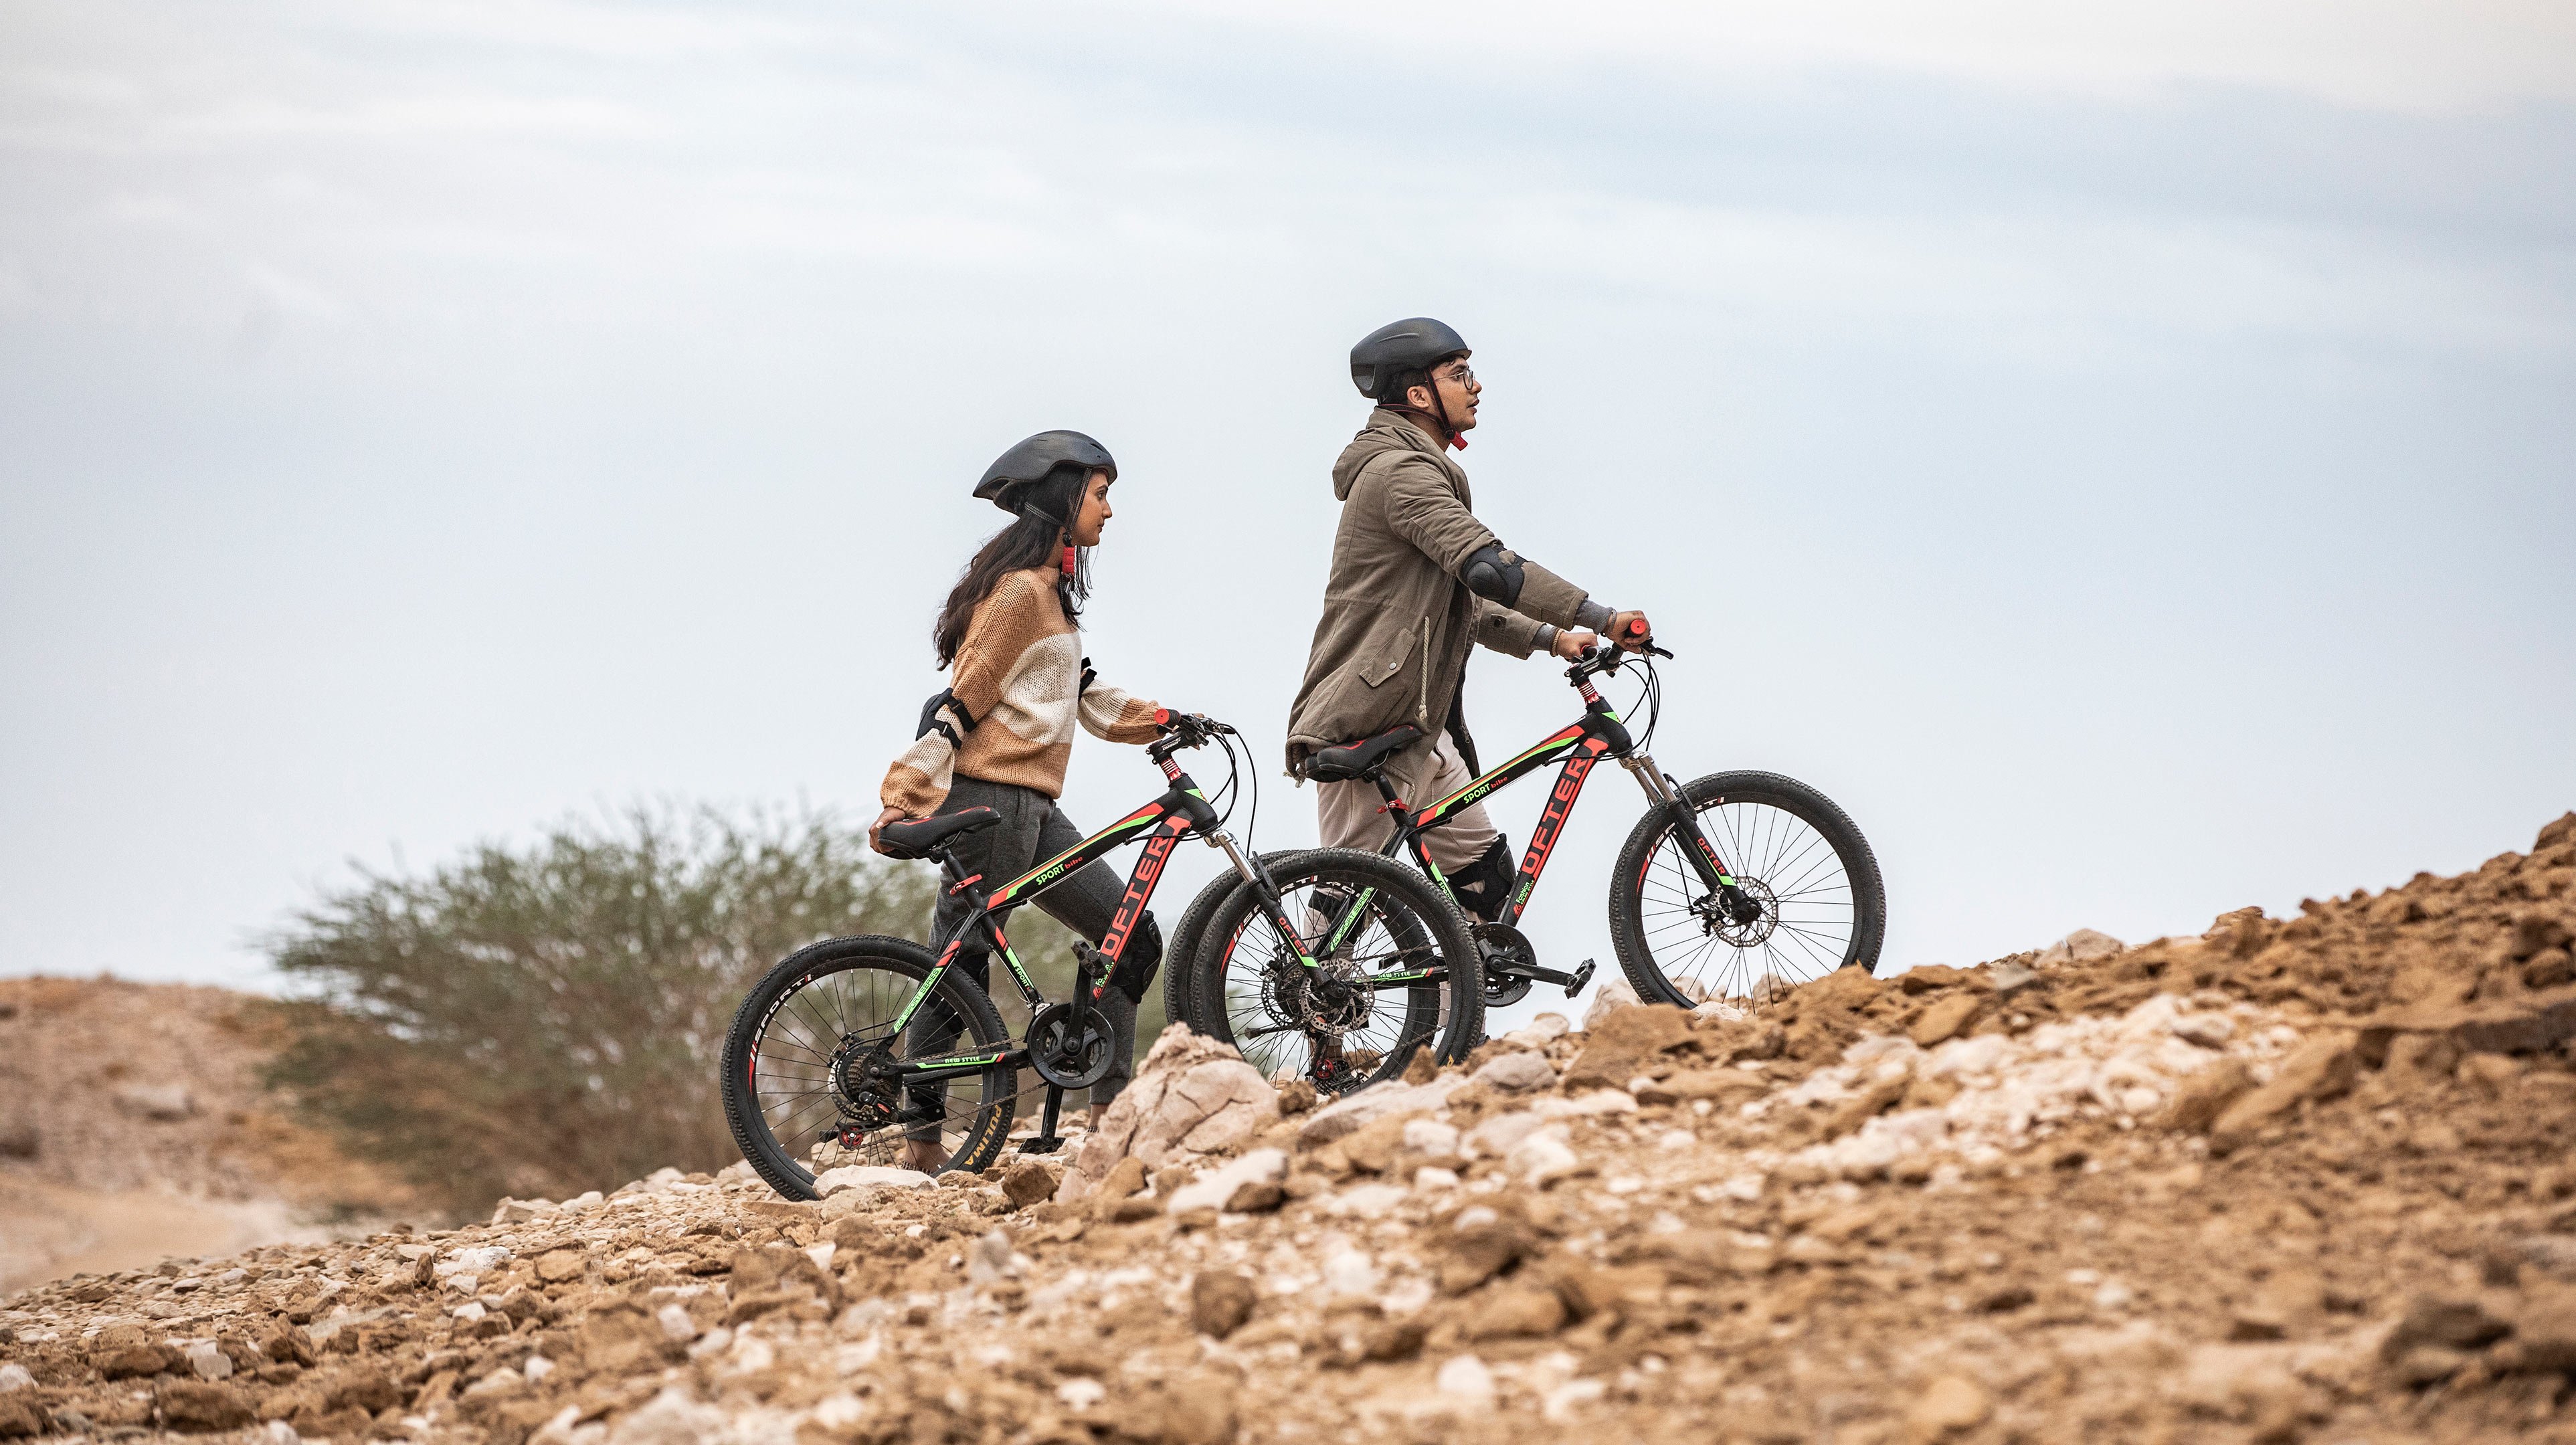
1068, 554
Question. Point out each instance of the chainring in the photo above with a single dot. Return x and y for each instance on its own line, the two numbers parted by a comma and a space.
1070, 1045
1500, 943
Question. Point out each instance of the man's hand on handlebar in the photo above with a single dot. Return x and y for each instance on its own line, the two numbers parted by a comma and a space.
1631, 631
1573, 642
890, 815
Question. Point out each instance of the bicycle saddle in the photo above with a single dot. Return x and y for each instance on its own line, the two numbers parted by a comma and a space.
921, 839
1359, 759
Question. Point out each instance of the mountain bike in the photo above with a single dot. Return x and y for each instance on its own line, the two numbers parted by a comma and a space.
1736, 885
869, 1042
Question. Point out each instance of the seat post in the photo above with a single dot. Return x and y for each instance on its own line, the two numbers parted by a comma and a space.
1385, 789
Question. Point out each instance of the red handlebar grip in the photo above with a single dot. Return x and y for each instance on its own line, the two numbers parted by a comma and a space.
1162, 717
1637, 628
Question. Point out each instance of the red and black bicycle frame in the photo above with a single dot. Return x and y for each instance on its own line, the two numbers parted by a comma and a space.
1162, 823
1582, 744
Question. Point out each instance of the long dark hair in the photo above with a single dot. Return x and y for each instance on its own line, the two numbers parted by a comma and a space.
1047, 508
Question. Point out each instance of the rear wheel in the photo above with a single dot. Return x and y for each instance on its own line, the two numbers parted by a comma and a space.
1808, 899
1394, 971
809, 1061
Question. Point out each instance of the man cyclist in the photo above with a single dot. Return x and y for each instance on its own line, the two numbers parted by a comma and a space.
1415, 580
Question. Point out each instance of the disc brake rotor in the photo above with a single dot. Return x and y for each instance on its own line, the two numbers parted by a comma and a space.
1752, 931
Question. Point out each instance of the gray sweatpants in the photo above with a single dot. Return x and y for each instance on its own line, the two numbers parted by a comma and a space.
1347, 815
1032, 830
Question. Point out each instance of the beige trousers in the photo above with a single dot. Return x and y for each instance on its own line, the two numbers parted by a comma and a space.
1347, 813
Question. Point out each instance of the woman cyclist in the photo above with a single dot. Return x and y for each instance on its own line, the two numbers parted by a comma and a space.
1001, 735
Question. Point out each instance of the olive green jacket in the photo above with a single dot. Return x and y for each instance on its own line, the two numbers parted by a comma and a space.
1392, 645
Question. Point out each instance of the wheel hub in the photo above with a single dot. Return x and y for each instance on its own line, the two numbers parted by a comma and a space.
1746, 921
1340, 998
864, 1086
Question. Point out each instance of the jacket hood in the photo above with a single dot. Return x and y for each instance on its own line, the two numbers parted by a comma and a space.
1386, 431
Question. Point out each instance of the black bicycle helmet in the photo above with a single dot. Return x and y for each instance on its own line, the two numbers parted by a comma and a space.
1031, 460
1415, 344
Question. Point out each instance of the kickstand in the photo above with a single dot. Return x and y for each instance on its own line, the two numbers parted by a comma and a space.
1047, 1140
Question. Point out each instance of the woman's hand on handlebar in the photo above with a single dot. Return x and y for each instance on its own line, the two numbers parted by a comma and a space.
890, 815
1573, 642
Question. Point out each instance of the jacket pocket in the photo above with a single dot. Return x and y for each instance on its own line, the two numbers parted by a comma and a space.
1389, 643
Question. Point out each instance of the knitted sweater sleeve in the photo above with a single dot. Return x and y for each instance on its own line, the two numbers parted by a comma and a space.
1004, 625
1110, 714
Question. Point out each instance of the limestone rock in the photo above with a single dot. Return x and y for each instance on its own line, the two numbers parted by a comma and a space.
1192, 1096
1516, 1072
165, 1103
2205, 1095
1625, 1043
1610, 994
1353, 1112
199, 1406
1220, 1301
1217, 1188
1028, 1182
1943, 1021
869, 1176
2322, 1068
2084, 945
1947, 1406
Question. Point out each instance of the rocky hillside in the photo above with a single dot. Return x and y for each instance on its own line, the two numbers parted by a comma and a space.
133, 1125
2307, 1179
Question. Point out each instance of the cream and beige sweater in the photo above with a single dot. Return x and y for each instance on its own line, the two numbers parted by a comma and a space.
1021, 681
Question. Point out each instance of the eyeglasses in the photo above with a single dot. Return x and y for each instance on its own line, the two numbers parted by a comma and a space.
1465, 375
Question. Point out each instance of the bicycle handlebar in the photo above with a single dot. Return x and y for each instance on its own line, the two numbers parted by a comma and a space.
1610, 657
1183, 730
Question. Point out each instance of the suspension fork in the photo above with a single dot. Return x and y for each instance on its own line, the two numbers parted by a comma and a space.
1663, 794
1253, 871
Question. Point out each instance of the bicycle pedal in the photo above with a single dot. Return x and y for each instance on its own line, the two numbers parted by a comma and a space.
1582, 976
1042, 1144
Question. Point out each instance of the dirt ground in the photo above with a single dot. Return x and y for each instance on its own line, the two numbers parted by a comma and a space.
2291, 1180
133, 1126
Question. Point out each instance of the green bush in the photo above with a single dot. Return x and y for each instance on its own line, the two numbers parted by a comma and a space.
547, 1019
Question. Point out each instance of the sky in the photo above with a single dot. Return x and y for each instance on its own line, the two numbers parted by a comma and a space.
2121, 453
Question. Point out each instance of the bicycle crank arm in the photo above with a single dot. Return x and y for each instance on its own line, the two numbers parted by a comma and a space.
1572, 983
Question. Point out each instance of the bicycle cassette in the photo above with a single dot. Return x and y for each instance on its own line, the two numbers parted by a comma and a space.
1071, 1045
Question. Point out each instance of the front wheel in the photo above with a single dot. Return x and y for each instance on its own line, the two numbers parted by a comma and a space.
1179, 978
1382, 967
816, 1072
1807, 901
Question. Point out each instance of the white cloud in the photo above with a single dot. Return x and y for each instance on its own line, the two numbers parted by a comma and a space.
2394, 54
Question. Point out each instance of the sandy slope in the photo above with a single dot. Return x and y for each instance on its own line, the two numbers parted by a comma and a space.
133, 1126
2303, 1180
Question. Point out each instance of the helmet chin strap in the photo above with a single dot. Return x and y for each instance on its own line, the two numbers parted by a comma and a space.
1456, 437
1438, 415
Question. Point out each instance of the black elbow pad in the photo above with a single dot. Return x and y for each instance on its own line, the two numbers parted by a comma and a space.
936, 714
1493, 574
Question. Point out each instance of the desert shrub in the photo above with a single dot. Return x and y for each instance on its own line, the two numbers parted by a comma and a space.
545, 1019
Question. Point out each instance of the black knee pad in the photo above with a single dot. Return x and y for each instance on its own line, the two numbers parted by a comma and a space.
1140, 961
1482, 886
